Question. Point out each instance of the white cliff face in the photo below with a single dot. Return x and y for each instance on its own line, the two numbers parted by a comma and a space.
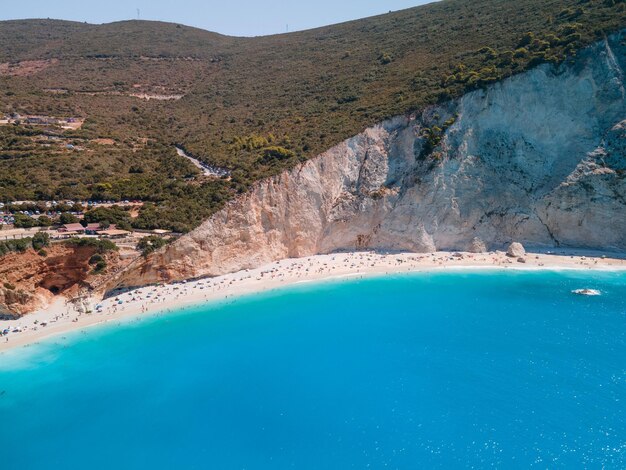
539, 158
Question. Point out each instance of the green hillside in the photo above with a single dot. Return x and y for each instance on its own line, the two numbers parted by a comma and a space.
253, 105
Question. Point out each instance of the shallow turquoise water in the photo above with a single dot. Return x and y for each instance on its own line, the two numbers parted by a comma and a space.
506, 370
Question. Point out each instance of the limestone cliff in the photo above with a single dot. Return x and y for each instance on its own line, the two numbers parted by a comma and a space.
538, 158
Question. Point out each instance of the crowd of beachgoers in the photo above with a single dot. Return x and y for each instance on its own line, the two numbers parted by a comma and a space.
63, 316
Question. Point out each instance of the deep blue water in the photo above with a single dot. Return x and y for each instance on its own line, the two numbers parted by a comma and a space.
461, 370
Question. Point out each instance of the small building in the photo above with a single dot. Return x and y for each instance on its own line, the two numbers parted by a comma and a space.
65, 235
113, 233
92, 229
76, 228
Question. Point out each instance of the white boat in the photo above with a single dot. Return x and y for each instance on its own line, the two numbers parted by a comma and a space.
586, 292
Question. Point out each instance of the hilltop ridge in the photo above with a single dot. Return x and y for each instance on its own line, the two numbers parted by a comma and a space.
254, 106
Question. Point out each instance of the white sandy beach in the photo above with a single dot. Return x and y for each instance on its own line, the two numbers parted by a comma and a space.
62, 317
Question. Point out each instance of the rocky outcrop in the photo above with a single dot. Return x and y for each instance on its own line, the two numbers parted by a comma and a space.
19, 300
29, 281
537, 158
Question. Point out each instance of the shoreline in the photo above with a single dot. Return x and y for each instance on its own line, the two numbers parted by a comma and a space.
61, 318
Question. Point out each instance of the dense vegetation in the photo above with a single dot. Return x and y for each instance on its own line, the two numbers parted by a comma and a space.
150, 243
253, 105
19, 246
38, 242
99, 245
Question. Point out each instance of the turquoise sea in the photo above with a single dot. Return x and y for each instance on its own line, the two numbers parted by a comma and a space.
434, 370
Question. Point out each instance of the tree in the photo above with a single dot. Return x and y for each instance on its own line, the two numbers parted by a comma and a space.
110, 215
385, 58
45, 221
100, 245
100, 267
150, 243
61, 207
276, 152
526, 39
24, 221
67, 218
124, 225
96, 258
40, 240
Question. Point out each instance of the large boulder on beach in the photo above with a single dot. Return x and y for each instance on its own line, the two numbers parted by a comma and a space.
477, 246
516, 250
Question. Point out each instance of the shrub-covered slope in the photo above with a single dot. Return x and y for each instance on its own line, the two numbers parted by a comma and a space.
253, 105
